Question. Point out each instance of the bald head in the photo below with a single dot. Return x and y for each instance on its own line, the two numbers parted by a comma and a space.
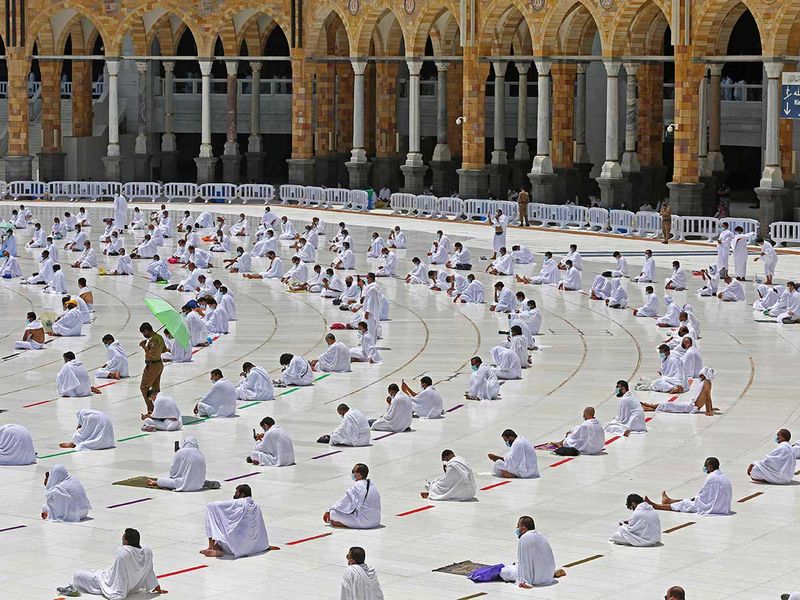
588, 413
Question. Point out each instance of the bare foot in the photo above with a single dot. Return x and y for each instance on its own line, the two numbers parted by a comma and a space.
664, 498
152, 483
650, 502
627, 433
560, 573
506, 474
96, 390
337, 524
424, 495
66, 445
115, 376
211, 553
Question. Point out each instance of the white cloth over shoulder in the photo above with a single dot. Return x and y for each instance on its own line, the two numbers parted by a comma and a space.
353, 430
520, 460
483, 383
255, 386
16, 445
642, 529
94, 432
275, 449
398, 417
630, 416
359, 508
237, 526
587, 438
360, 582
776, 467
507, 361
73, 380
456, 483
219, 401
65, 498
714, 498
166, 415
298, 372
428, 404
336, 359
187, 473
131, 571
536, 564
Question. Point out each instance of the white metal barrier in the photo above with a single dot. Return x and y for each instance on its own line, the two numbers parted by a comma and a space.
535, 212
510, 209
703, 227
358, 200
451, 207
217, 191
785, 232
598, 219
313, 196
82, 190
426, 206
748, 225
579, 216
336, 197
108, 189
26, 190
622, 221
3, 189
257, 192
142, 190
180, 191
648, 223
291, 193
402, 203
478, 209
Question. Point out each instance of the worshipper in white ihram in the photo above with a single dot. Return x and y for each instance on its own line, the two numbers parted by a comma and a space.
713, 498
520, 461
769, 258
197, 327
622, 265
732, 292
779, 465
506, 362
473, 293
427, 403
273, 447
336, 359
254, 384
120, 212
352, 431
618, 297
642, 529
692, 361
73, 380
724, 240
235, 527
672, 375
678, 280
586, 438
33, 336
548, 274
767, 298
69, 322
360, 507
650, 307
536, 565
187, 473
502, 265
398, 416
131, 572
573, 256
296, 370
165, 416
116, 365
702, 401
457, 483
359, 582
366, 351
648, 273
572, 278
65, 500
483, 382
220, 400
10, 267
630, 415
500, 224
504, 299
16, 445
94, 432
740, 242
396, 239
671, 317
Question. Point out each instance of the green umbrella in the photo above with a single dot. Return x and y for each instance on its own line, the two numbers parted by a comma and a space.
6, 225
169, 318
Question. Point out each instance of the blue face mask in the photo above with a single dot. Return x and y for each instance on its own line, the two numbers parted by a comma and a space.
517, 532
662, 356
508, 444
353, 476
475, 367
777, 440
705, 470
619, 392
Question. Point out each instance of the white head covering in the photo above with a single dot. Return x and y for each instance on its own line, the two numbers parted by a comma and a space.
57, 475
687, 308
708, 373
667, 299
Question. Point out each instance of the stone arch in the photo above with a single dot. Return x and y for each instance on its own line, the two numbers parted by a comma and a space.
42, 22
135, 18
391, 36
427, 22
503, 23
332, 33
712, 26
167, 32
784, 31
231, 24
633, 22
580, 17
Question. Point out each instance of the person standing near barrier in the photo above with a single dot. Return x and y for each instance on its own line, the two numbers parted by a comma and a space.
153, 346
666, 220
522, 201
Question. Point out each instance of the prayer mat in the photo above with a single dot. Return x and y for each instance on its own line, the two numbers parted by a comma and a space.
463, 568
548, 446
141, 482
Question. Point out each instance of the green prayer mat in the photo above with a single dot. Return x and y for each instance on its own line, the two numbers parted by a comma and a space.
463, 568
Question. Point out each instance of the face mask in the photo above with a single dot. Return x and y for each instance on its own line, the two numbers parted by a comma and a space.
777, 440
705, 470
517, 532
619, 392
662, 356
353, 476
508, 444
474, 367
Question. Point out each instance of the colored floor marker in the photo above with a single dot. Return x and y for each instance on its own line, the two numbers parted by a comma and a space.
456, 407
384, 436
37, 404
494, 485
129, 503
73, 451
243, 476
323, 376
190, 569
582, 561
750, 497
416, 510
308, 539
797, 472
289, 391
672, 399
561, 462
681, 526
478, 595
12, 528
648, 419
248, 405
612, 440
198, 420
133, 437
326, 454
106, 384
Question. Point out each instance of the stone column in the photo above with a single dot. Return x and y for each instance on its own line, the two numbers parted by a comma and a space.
771, 191
522, 153
631, 167
112, 159
498, 169
206, 161
650, 131
142, 170
231, 158
413, 170
703, 166
18, 160
81, 98
343, 125
542, 178
301, 164
581, 160
562, 77
473, 181
358, 167
441, 164
255, 153
386, 166
614, 189
325, 165
51, 158
715, 159
169, 154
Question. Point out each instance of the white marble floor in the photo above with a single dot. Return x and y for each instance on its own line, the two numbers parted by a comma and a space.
585, 348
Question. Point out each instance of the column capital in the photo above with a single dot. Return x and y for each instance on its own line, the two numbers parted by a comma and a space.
500, 67
112, 65
414, 66
715, 69
359, 65
773, 69
141, 66
581, 68
441, 67
255, 66
169, 66
631, 68
612, 67
205, 66
231, 67
522, 67
543, 67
